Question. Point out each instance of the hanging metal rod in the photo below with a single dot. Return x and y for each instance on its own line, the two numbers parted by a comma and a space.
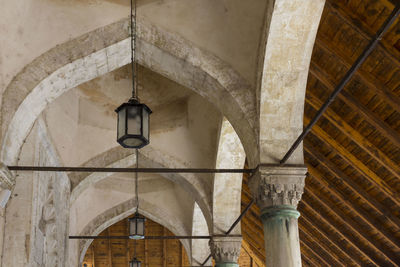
367, 51
151, 237
138, 170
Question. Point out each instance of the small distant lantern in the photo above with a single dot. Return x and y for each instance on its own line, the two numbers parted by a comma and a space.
133, 124
135, 263
136, 227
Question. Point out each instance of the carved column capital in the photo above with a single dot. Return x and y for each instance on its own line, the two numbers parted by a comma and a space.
7, 179
276, 186
225, 249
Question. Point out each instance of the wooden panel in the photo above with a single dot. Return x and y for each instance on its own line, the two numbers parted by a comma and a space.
152, 253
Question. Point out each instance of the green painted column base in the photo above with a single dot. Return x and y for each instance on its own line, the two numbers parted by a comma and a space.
227, 264
284, 211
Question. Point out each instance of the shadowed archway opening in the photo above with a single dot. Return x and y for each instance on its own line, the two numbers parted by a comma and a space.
118, 252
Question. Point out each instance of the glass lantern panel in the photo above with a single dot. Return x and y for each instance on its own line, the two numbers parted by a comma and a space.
135, 263
134, 120
140, 227
146, 123
132, 227
121, 122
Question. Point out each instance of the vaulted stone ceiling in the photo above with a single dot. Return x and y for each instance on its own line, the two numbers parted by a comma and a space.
351, 206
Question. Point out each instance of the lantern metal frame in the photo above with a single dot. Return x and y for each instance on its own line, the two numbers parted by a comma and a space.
141, 108
135, 263
133, 233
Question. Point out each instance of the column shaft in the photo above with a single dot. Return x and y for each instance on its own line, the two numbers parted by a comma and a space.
281, 236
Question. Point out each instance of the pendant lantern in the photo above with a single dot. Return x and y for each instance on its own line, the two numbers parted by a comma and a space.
136, 227
135, 263
133, 124
133, 127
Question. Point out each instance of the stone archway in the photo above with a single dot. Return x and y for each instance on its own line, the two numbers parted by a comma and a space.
106, 49
188, 182
227, 187
119, 212
290, 33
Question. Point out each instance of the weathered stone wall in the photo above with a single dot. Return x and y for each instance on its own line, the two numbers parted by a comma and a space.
292, 27
227, 186
50, 208
199, 248
17, 220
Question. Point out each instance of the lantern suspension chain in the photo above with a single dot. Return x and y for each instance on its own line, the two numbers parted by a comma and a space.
133, 48
137, 182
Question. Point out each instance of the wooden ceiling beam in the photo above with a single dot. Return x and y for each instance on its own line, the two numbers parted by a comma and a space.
341, 176
164, 248
371, 118
354, 162
355, 136
254, 222
368, 115
109, 249
317, 251
309, 255
351, 224
363, 30
253, 231
93, 259
320, 248
367, 78
256, 258
324, 239
317, 221
367, 218
181, 252
258, 250
305, 260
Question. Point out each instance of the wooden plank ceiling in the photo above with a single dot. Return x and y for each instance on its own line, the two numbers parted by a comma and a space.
351, 205
118, 252
152, 253
350, 211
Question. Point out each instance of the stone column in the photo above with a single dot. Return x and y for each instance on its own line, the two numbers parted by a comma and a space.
225, 251
278, 191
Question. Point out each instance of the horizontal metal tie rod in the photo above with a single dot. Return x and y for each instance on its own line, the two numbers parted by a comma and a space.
151, 237
139, 170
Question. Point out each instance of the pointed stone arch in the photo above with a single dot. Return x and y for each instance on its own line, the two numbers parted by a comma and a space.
124, 159
120, 212
107, 49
